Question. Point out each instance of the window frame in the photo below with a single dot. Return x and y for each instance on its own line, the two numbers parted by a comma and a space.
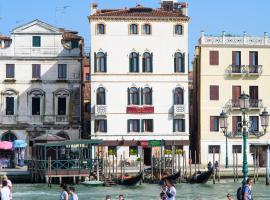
101, 96
34, 44
147, 62
131, 29
212, 95
134, 62
179, 99
150, 127
182, 123
147, 96
103, 30
12, 111
132, 98
176, 31
10, 71
215, 126
59, 112
236, 147
134, 129
32, 106
98, 128
211, 149
62, 71
179, 62
100, 60
36, 71
149, 32
214, 57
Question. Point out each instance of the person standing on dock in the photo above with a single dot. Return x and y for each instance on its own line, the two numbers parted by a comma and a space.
247, 194
73, 195
5, 191
64, 192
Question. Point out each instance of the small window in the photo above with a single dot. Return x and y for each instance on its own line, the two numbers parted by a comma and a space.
254, 120
101, 29
147, 96
179, 62
112, 150
35, 105
36, 71
178, 29
214, 57
133, 125
87, 76
253, 58
178, 96
9, 105
147, 62
133, 29
213, 149
214, 92
101, 96
62, 106
147, 29
100, 62
36, 41
133, 96
236, 59
214, 123
134, 62
74, 44
147, 125
179, 125
236, 148
10, 71
62, 71
133, 151
101, 126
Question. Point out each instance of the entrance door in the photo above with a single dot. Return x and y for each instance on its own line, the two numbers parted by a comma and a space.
236, 92
147, 156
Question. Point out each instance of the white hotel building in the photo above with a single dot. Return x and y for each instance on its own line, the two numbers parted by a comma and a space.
139, 78
40, 82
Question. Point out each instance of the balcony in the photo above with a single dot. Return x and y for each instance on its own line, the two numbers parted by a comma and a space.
61, 119
251, 134
254, 104
100, 110
254, 70
136, 109
178, 110
236, 70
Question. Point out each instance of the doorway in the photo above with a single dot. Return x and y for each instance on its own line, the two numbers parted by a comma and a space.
147, 155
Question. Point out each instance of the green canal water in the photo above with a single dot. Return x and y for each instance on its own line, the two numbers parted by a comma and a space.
143, 192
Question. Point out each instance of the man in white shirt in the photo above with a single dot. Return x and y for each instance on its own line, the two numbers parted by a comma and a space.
5, 191
170, 190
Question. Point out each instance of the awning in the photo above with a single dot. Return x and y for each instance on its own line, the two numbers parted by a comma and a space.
176, 142
5, 145
19, 144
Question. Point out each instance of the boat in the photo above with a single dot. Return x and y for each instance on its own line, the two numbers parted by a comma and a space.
130, 181
172, 177
201, 177
93, 183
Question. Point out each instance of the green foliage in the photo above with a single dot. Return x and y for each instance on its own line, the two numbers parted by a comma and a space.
133, 152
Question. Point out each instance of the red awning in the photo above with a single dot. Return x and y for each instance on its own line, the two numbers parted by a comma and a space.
144, 144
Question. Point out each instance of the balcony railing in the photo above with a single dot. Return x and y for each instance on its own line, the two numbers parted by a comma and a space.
253, 104
100, 110
178, 110
236, 70
61, 118
251, 134
254, 69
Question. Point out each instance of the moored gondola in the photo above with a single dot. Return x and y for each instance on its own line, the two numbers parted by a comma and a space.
172, 177
201, 177
130, 181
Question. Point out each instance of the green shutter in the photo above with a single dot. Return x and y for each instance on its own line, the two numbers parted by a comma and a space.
36, 41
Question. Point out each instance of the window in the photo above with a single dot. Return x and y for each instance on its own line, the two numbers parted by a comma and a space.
214, 123
254, 120
179, 62
10, 69
87, 76
101, 96
147, 29
101, 29
36, 41
9, 105
87, 107
8, 136
236, 93
214, 92
236, 59
133, 96
112, 150
214, 57
236, 148
100, 125
147, 96
178, 96
178, 29
179, 125
100, 62
133, 151
213, 149
133, 125
147, 125
236, 128
62, 71
133, 29
253, 58
74, 44
134, 62
36, 71
147, 62
62, 106
36, 105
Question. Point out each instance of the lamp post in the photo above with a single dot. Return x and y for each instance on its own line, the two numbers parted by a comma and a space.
223, 123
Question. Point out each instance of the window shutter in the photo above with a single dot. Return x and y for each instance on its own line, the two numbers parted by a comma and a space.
212, 123
128, 96
95, 126
234, 123
175, 70
95, 62
143, 64
183, 125
105, 125
174, 121
142, 125
152, 125
151, 62
151, 96
214, 92
214, 57
183, 63
138, 96
128, 125
234, 58
105, 62
138, 63
142, 95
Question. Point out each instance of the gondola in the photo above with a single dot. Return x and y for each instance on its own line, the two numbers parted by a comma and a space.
172, 177
201, 177
130, 181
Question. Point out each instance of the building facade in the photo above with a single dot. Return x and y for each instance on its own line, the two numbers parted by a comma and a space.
40, 82
139, 78
225, 67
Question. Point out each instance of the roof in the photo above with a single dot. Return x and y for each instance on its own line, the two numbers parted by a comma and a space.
70, 142
137, 12
49, 137
3, 37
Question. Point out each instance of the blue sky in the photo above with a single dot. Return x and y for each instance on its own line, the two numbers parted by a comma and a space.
212, 16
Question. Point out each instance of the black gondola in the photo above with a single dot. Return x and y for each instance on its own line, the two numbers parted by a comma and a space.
130, 181
172, 177
201, 177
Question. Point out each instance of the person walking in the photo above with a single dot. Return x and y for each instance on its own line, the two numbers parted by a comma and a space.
64, 192
247, 193
5, 191
72, 194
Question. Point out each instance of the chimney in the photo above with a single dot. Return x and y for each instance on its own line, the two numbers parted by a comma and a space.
184, 7
94, 7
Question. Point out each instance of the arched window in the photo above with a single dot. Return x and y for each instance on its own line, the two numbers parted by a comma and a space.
36, 99
62, 99
101, 96
147, 96
179, 62
133, 96
100, 62
147, 62
8, 136
178, 29
10, 101
100, 29
133, 29
147, 29
178, 96
134, 62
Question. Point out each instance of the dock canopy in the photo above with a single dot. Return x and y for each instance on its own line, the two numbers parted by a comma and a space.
48, 138
19, 144
70, 142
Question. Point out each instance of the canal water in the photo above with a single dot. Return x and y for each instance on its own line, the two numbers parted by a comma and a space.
143, 192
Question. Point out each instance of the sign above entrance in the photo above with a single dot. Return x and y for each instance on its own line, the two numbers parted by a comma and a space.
140, 109
151, 143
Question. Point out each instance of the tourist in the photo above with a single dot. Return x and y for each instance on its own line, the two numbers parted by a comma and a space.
108, 197
5, 191
73, 195
9, 184
247, 194
209, 166
229, 196
64, 192
121, 197
170, 190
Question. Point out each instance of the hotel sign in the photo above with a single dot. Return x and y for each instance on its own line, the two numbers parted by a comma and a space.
140, 109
